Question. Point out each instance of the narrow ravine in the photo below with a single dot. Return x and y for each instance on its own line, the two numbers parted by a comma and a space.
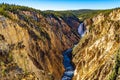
67, 57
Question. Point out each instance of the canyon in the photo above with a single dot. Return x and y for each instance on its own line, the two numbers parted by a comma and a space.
38, 45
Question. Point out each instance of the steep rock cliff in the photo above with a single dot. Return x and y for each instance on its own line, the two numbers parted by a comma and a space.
97, 55
34, 43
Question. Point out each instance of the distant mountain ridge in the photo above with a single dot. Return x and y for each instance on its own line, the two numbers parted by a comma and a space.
82, 14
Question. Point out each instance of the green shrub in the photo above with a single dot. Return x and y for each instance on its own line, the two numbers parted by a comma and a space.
115, 71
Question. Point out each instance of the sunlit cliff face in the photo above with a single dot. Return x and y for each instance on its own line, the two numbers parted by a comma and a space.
35, 44
97, 55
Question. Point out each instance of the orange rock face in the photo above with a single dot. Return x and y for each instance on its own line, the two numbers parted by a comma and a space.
38, 41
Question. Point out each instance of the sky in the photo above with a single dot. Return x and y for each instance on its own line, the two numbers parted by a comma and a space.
65, 4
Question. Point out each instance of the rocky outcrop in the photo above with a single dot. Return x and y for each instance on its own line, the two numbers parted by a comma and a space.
96, 56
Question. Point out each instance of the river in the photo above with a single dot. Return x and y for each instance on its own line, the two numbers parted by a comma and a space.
69, 67
67, 57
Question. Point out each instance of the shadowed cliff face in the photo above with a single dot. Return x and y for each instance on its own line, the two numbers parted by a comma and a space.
35, 43
97, 55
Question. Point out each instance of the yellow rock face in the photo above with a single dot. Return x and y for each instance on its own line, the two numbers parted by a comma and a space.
95, 55
35, 43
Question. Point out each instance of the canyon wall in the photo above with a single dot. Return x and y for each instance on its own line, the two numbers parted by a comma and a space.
31, 44
97, 55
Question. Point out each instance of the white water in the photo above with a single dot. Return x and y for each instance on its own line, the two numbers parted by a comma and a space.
67, 57
81, 30
69, 68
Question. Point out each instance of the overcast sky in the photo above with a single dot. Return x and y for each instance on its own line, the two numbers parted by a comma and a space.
66, 4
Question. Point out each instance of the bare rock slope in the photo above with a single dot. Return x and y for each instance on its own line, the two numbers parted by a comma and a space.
31, 43
97, 55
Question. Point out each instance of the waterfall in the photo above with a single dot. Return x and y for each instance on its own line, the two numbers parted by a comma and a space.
81, 29
67, 57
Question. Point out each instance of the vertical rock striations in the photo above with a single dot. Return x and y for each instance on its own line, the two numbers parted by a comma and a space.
96, 56
35, 43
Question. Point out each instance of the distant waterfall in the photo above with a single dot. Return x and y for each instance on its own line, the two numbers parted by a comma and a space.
81, 29
67, 57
